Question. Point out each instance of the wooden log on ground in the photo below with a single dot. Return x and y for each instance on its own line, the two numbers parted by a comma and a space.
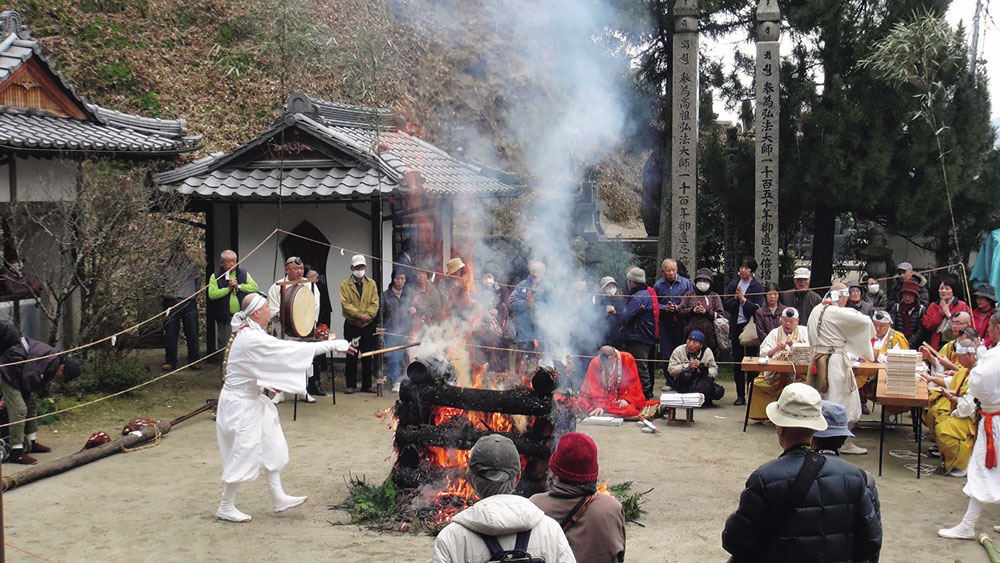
35, 472
513, 401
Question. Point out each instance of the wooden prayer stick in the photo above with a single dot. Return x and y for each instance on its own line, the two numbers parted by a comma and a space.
389, 349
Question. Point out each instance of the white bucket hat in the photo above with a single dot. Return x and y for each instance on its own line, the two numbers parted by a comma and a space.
799, 406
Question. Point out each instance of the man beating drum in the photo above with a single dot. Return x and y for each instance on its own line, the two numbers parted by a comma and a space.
247, 425
278, 295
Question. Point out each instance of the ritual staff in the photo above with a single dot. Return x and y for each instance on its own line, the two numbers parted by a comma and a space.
247, 425
29, 366
612, 385
950, 414
983, 484
777, 344
836, 331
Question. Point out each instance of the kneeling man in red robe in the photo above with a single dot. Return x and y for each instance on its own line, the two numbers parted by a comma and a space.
612, 385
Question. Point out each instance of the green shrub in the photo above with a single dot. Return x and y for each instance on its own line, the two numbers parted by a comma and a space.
111, 376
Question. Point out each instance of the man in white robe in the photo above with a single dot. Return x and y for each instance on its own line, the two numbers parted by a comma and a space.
983, 484
247, 425
835, 332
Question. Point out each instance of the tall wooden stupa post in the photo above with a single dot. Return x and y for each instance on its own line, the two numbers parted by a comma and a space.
766, 131
684, 146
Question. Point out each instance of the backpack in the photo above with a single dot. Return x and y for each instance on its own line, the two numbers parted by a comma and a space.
517, 555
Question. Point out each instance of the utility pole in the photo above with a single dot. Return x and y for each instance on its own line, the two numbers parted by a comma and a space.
975, 37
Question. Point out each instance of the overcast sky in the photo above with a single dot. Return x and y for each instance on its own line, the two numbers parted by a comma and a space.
960, 11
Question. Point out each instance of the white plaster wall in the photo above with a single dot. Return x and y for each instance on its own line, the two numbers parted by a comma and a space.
340, 226
905, 251
40, 179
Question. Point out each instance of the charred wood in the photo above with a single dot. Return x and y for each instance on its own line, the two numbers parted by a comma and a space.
513, 401
464, 437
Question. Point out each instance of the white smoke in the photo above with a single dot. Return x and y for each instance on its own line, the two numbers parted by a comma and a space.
562, 108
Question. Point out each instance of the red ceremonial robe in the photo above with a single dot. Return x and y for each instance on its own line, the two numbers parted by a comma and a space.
593, 393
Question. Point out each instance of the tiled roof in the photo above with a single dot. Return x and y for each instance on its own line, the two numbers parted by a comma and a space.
103, 130
382, 158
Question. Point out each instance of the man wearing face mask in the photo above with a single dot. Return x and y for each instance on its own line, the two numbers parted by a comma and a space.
611, 303
836, 332
873, 293
359, 303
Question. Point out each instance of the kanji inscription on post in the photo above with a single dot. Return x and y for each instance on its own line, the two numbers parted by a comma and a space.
766, 132
684, 152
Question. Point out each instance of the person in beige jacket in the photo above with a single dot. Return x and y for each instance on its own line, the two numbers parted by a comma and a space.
359, 303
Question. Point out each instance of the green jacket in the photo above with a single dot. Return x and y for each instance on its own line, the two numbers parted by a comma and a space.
354, 305
218, 289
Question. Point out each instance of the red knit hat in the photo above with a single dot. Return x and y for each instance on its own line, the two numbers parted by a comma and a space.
575, 459
911, 287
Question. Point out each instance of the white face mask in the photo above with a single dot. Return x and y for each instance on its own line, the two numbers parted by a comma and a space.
611, 290
703, 286
488, 282
358, 273
873, 288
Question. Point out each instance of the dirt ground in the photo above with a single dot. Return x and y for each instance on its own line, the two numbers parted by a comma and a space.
158, 504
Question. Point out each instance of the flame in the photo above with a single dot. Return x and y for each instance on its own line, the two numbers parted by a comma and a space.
448, 457
602, 488
455, 497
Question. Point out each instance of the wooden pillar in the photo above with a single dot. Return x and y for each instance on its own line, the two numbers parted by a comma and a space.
766, 150
684, 146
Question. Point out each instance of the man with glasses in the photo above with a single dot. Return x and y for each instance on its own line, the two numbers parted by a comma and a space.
294, 271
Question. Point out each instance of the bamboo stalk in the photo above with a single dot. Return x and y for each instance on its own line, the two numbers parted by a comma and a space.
389, 349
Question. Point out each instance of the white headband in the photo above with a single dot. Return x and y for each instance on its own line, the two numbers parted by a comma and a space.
836, 294
959, 349
241, 318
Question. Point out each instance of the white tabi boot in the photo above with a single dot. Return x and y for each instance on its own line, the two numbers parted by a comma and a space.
309, 398
966, 529
279, 398
227, 508
850, 448
281, 502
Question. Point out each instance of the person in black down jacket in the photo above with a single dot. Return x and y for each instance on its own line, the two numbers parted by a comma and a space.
830, 517
743, 297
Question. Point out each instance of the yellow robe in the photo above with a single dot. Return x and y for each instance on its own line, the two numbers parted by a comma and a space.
954, 435
767, 385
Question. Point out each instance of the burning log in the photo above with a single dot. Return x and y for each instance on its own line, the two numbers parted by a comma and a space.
513, 401
463, 438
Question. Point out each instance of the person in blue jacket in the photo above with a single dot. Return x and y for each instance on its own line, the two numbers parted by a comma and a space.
670, 289
638, 332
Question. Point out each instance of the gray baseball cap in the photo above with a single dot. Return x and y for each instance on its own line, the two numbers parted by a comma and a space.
495, 457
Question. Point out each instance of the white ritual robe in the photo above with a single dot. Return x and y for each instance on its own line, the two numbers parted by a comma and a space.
844, 331
246, 421
984, 384
777, 337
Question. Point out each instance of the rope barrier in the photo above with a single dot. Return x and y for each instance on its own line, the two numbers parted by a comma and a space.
537, 353
26, 552
137, 325
393, 263
122, 392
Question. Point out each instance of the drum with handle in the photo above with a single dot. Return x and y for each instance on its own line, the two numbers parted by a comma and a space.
298, 311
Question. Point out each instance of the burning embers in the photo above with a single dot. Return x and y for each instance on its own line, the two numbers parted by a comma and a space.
439, 422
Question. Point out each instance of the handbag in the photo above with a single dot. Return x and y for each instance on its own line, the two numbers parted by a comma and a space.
748, 338
722, 333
